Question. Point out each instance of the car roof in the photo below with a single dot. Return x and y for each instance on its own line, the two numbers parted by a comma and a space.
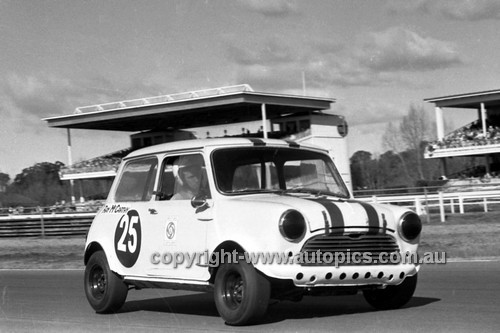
217, 142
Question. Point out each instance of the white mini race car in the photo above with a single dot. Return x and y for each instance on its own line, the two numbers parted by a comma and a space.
250, 220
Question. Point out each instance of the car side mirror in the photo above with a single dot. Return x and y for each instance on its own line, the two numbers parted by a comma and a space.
199, 201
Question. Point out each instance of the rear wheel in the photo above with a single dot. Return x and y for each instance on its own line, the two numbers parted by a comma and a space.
241, 293
105, 291
392, 297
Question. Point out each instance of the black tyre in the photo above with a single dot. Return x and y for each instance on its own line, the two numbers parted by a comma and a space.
241, 293
392, 297
105, 291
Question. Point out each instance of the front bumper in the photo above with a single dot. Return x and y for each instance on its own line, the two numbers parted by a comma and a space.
330, 276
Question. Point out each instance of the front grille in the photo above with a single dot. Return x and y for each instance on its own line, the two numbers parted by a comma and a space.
350, 247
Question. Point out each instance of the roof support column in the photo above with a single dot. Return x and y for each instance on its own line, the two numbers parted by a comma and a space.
439, 123
483, 119
70, 162
444, 168
487, 164
70, 159
80, 185
264, 120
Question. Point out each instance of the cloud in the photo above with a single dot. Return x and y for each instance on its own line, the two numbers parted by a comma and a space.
271, 78
25, 99
264, 66
39, 96
460, 10
380, 58
33, 95
371, 113
398, 49
272, 52
271, 8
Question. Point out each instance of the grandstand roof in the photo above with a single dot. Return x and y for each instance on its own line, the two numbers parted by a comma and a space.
187, 110
490, 98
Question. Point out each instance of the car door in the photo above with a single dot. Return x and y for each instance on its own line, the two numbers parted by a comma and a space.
132, 216
180, 244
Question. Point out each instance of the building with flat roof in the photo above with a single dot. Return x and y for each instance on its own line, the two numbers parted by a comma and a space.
227, 111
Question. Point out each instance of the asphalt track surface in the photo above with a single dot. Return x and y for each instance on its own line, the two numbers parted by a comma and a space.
455, 297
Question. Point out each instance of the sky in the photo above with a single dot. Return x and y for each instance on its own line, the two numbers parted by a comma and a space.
375, 58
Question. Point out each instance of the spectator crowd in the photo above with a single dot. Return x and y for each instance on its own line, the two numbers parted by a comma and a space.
102, 163
467, 136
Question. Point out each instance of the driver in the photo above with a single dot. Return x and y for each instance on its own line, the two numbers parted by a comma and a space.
191, 181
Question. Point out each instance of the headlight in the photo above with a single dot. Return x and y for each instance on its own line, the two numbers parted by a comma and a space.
410, 226
292, 226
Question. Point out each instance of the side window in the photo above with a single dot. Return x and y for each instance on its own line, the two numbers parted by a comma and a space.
137, 180
183, 177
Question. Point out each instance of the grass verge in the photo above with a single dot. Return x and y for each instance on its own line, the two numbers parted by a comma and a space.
39, 253
469, 235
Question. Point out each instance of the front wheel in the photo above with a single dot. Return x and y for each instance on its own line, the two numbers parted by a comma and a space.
105, 291
392, 297
241, 293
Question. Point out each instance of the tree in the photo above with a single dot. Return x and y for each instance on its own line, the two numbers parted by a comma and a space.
392, 141
391, 170
40, 183
415, 128
4, 181
363, 170
408, 141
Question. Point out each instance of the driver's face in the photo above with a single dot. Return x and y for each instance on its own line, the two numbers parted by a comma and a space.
192, 180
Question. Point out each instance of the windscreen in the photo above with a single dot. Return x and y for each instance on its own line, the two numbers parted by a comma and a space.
267, 169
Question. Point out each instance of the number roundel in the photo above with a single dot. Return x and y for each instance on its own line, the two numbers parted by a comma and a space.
128, 238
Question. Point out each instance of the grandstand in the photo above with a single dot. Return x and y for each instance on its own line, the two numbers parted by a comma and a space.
480, 137
98, 167
226, 111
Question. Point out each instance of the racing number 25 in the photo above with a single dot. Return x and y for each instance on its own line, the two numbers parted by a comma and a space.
128, 238
126, 224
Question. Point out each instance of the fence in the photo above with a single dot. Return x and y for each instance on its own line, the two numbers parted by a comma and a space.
441, 201
41, 225
78, 223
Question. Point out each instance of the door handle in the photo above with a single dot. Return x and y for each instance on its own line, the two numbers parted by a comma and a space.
152, 211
